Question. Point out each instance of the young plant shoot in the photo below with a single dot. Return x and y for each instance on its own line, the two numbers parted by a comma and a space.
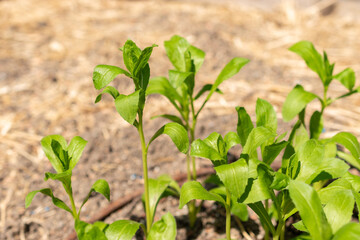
131, 107
179, 87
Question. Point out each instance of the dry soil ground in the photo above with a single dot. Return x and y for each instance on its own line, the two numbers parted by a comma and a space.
48, 50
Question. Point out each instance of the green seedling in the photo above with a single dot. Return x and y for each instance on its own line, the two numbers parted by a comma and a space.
298, 99
64, 157
131, 107
179, 87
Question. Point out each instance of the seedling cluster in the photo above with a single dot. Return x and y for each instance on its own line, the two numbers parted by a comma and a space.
313, 180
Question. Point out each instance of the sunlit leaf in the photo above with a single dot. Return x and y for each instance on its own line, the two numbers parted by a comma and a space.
164, 229
177, 133
104, 74
122, 230
295, 102
127, 106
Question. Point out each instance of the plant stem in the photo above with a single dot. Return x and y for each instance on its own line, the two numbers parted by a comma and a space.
68, 190
145, 173
192, 137
228, 215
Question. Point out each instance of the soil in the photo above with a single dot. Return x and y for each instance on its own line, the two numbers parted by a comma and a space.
47, 54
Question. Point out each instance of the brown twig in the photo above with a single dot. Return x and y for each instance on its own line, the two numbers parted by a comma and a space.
121, 202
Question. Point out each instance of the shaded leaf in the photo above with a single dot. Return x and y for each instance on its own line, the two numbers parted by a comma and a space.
244, 125
272, 151
265, 219
143, 60
47, 146
75, 149
316, 125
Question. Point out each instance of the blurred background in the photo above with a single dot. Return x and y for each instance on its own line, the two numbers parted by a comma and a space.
48, 50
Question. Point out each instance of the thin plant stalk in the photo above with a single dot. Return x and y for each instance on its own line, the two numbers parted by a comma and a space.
145, 173
228, 215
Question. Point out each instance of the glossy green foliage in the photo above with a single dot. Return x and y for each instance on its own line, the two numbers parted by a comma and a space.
136, 62
177, 133
312, 214
164, 229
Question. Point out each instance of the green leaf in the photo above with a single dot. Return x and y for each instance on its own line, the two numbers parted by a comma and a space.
308, 203
234, 176
232, 68
75, 149
64, 178
329, 168
164, 229
313, 59
349, 158
239, 210
280, 181
300, 137
339, 205
272, 151
143, 60
172, 118
131, 54
100, 186
47, 144
265, 115
86, 231
265, 219
110, 90
177, 133
206, 88
300, 226
198, 56
47, 191
177, 78
316, 125
144, 76
193, 190
175, 50
295, 102
160, 85
257, 188
122, 230
348, 231
127, 106
172, 183
310, 156
350, 142
231, 139
104, 74
156, 189
256, 137
244, 125
212, 147
347, 78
